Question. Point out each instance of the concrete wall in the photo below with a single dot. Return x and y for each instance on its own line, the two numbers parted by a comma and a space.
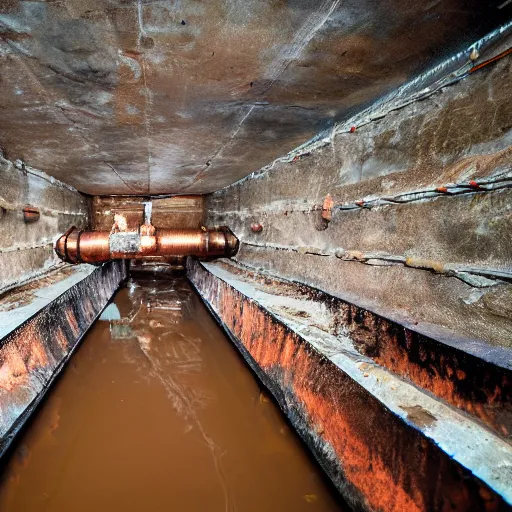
167, 213
428, 259
26, 249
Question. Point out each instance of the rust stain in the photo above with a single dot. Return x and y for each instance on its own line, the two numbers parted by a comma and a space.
37, 355
431, 366
31, 347
24, 295
31, 214
89, 309
13, 371
72, 321
168, 213
419, 416
61, 339
327, 208
442, 378
31, 353
433, 265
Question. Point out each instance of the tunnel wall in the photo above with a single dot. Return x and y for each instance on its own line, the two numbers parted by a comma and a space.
26, 249
408, 236
167, 213
385, 443
34, 353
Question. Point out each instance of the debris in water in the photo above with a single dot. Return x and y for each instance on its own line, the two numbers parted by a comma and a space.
311, 498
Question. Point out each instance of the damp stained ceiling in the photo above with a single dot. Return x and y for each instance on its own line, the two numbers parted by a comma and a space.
188, 96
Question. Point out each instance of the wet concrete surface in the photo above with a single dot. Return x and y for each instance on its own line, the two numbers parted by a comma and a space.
157, 411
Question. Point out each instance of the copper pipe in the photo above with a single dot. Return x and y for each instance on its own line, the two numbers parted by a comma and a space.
77, 246
94, 247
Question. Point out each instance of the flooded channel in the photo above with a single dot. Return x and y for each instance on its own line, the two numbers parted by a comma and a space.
156, 411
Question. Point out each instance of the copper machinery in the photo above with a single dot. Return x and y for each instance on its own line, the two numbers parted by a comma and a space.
76, 246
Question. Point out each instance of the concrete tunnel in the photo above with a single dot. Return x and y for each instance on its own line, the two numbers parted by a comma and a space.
255, 255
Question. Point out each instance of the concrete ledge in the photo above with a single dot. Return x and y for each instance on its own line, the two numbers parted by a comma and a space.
26, 300
385, 444
471, 375
44, 335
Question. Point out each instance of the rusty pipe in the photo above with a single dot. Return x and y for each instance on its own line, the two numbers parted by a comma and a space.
76, 246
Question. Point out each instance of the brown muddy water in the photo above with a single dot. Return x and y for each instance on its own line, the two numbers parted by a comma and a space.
156, 411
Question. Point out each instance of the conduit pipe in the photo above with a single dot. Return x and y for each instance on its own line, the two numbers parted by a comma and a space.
76, 246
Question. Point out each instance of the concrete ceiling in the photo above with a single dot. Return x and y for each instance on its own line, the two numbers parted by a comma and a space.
188, 96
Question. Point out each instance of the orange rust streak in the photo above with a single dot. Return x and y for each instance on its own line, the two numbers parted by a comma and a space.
396, 359
61, 339
72, 322
440, 378
31, 347
362, 467
13, 371
38, 357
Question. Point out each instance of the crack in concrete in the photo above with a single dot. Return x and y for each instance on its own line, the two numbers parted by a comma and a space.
119, 176
148, 100
279, 65
302, 38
